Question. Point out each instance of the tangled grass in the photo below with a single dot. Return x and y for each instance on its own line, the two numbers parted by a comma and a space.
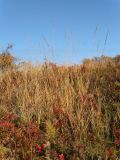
61, 112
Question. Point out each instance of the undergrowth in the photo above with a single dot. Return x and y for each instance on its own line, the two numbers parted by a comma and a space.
61, 112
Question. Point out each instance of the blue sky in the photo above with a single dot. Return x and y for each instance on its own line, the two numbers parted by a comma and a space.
64, 31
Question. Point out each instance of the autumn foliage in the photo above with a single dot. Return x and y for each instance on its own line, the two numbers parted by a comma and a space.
57, 112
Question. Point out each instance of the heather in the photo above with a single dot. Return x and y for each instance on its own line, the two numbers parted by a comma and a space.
60, 112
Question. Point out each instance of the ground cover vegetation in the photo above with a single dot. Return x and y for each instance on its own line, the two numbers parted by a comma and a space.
53, 112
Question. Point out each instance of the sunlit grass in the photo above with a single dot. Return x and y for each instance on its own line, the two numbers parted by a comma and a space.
74, 111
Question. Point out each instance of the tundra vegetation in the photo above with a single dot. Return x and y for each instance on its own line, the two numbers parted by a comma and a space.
53, 112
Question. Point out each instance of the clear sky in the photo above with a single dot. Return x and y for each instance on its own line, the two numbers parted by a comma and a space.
61, 30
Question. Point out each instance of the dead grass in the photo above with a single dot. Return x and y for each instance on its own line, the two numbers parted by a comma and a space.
75, 108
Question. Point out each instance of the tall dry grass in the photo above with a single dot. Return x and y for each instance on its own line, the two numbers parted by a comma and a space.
74, 109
